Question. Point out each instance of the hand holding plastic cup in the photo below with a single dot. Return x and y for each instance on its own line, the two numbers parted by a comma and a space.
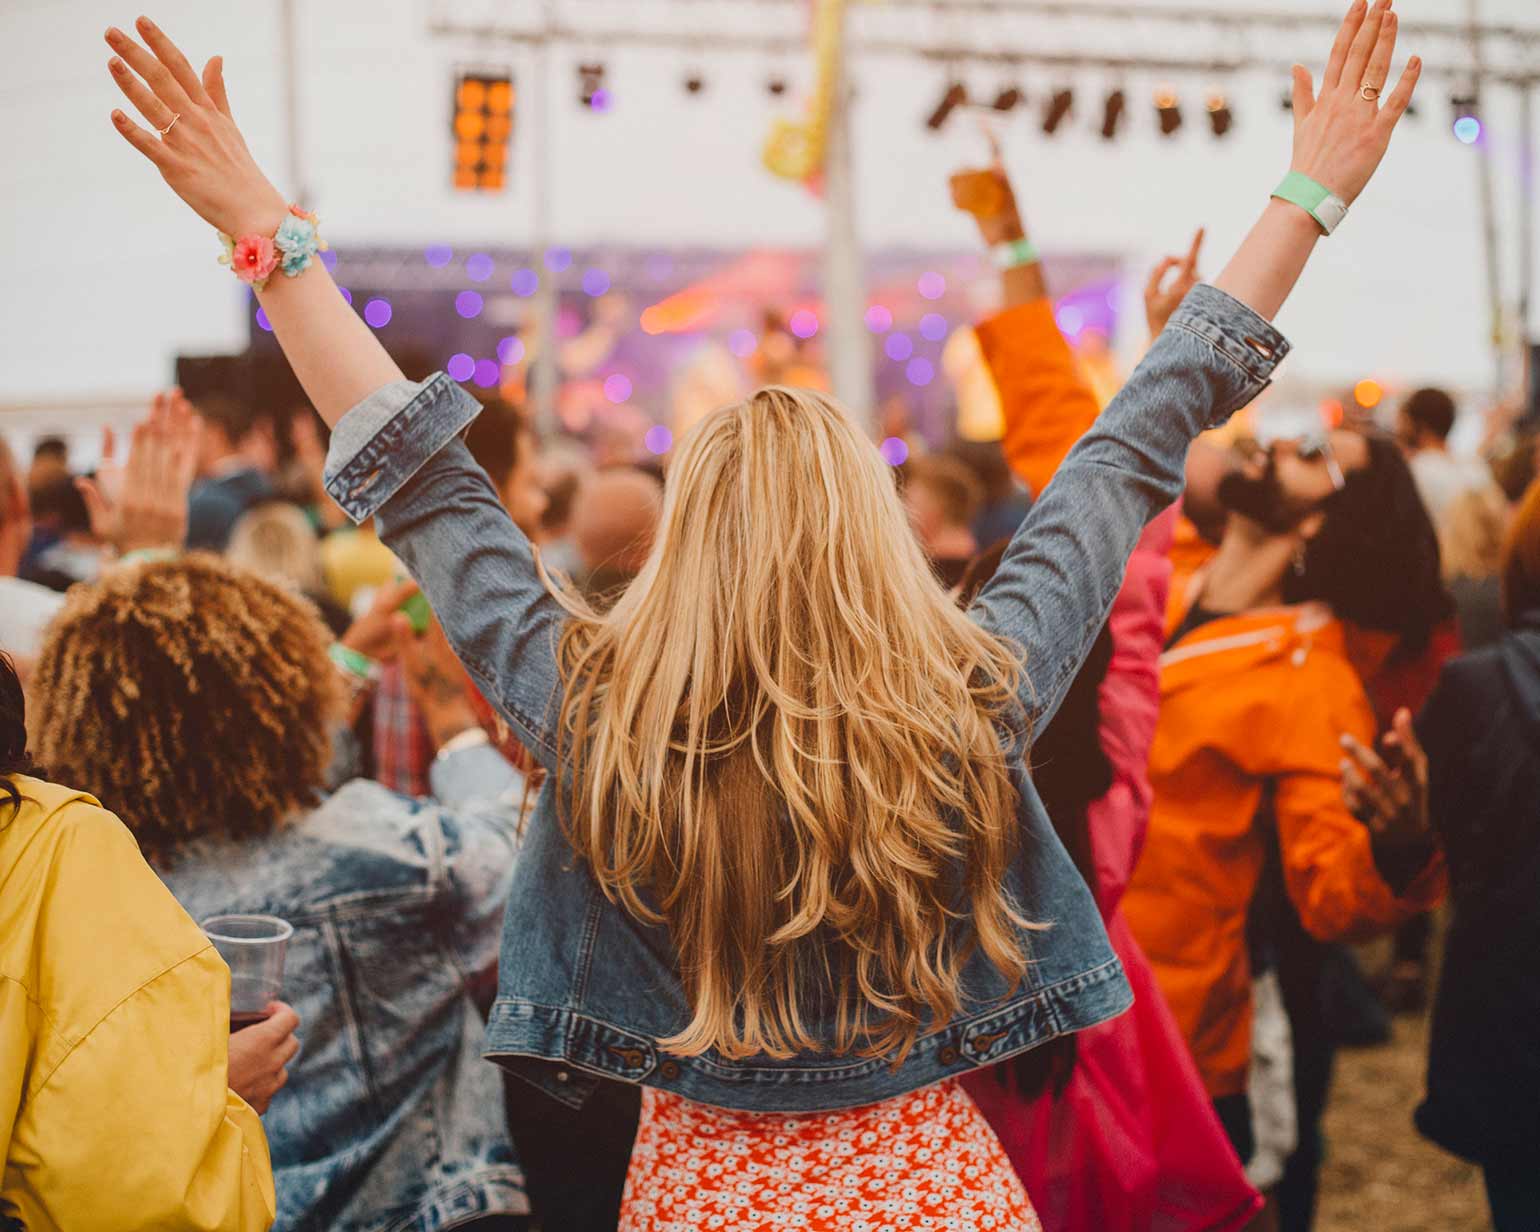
253, 946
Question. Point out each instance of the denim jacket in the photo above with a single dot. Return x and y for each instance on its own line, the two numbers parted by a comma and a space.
583, 984
391, 1121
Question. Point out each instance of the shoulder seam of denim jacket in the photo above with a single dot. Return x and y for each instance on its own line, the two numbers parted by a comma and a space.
391, 454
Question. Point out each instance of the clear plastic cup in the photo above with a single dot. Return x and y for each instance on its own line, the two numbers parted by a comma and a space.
253, 946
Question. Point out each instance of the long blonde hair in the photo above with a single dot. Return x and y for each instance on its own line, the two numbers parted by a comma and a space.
785, 742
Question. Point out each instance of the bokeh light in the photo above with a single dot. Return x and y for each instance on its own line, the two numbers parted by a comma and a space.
878, 319
558, 259
377, 312
1467, 129
346, 294
894, 451
1071, 319
329, 259
595, 282
742, 343
478, 267
601, 100
263, 322
510, 350
617, 387
488, 373
468, 304
931, 285
898, 347
438, 255
933, 327
460, 366
1367, 393
1332, 413
803, 324
524, 282
659, 440
920, 371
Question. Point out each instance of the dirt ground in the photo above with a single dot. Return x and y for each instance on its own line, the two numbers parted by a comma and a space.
1380, 1174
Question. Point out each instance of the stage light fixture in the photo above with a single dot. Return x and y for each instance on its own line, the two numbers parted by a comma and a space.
1168, 111
956, 96
1059, 106
483, 130
1220, 117
1112, 113
775, 86
590, 83
694, 83
1007, 99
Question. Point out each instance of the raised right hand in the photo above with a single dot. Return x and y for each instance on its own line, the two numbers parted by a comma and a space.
203, 156
1341, 136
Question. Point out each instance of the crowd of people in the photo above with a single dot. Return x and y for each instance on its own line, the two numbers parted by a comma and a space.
769, 837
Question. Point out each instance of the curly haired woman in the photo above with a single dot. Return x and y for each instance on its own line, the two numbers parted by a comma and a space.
197, 696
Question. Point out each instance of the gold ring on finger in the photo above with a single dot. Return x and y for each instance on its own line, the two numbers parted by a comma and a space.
169, 127
1369, 93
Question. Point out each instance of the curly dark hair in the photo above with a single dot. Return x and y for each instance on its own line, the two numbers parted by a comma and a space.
14, 758
1376, 557
190, 696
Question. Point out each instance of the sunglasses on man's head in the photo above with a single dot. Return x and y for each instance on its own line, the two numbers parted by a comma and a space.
1318, 445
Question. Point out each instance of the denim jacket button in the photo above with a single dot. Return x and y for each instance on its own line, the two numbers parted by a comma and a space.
948, 1055
669, 1070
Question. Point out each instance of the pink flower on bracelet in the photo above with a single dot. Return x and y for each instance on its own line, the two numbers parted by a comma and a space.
254, 258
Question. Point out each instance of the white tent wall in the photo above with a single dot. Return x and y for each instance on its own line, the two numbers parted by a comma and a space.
107, 277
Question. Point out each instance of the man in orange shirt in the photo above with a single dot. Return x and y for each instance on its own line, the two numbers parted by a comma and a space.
1257, 688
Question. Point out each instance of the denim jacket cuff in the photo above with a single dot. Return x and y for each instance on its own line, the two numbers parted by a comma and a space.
1234, 330
387, 438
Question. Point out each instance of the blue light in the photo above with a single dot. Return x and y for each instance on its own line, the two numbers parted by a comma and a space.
1467, 129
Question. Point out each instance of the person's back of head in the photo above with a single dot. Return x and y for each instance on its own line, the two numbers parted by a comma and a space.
14, 758
615, 519
1521, 559
59, 506
955, 491
503, 445
276, 540
191, 696
785, 742
227, 425
15, 513
1427, 418
54, 449
1375, 559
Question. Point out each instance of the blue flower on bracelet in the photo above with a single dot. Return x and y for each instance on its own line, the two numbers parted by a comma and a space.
298, 241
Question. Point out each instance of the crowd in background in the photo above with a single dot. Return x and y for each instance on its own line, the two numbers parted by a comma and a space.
1310, 717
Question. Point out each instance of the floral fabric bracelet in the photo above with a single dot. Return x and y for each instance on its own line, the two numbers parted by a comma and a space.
254, 258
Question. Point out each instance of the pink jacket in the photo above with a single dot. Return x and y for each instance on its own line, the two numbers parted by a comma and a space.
1132, 1142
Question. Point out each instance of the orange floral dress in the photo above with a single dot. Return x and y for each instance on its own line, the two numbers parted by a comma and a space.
923, 1160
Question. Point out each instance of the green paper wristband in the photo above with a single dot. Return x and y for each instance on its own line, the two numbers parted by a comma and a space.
1314, 198
1011, 254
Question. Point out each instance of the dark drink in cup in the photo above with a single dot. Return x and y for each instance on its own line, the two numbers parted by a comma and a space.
253, 946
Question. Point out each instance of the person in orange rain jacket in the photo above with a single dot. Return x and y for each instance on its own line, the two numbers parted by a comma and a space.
1118, 1135
1257, 686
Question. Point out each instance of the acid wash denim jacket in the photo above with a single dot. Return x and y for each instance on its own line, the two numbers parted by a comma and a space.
391, 1120
584, 990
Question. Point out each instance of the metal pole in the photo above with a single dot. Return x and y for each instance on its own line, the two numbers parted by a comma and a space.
543, 375
1488, 213
1526, 206
288, 46
850, 360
